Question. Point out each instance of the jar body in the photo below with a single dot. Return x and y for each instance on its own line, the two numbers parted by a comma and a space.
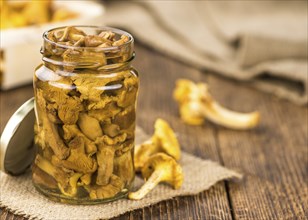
84, 132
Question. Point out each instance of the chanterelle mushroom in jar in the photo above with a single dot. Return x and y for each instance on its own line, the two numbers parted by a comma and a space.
85, 98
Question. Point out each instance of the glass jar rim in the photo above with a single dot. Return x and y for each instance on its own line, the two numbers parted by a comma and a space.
101, 28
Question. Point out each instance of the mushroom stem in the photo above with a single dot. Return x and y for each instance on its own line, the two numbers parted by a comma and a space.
71, 131
58, 174
71, 189
230, 119
153, 180
46, 166
105, 159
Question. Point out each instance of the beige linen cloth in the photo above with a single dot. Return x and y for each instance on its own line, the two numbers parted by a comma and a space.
260, 42
18, 195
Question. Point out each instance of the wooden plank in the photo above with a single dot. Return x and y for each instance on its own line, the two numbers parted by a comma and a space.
273, 157
158, 74
11, 100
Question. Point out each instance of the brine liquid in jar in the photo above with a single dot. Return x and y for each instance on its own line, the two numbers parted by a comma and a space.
85, 101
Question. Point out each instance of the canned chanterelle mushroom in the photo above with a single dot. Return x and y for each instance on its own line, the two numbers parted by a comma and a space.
85, 95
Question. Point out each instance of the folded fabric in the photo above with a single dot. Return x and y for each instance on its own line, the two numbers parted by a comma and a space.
263, 43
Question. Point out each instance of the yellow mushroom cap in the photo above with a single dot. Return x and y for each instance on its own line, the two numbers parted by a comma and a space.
190, 113
166, 139
182, 90
142, 152
159, 168
169, 170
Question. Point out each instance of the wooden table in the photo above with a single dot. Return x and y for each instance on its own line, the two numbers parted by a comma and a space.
273, 157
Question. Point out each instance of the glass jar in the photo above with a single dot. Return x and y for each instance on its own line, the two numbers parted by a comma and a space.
85, 104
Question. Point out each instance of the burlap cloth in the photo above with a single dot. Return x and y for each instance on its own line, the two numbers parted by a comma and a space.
260, 42
20, 197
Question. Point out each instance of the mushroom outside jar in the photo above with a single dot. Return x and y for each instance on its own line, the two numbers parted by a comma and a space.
85, 99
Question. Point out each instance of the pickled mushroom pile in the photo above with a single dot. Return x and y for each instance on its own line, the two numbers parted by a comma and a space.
85, 103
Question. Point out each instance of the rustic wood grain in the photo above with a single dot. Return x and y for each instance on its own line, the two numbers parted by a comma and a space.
272, 157
11, 100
